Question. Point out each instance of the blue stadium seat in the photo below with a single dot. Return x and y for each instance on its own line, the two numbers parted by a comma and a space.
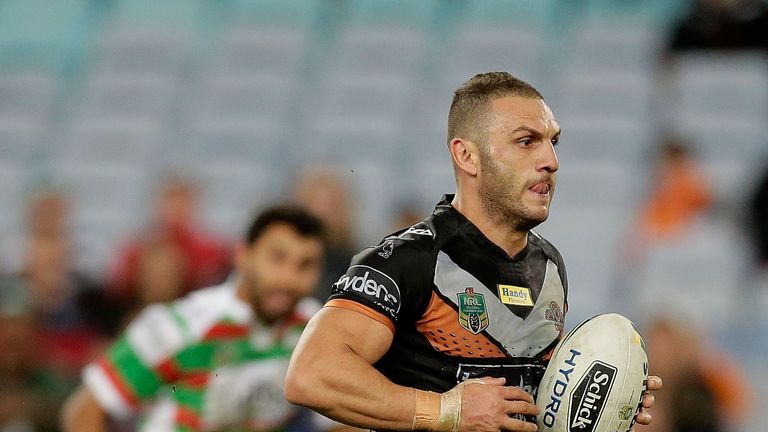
232, 140
105, 143
19, 141
710, 85
172, 16
379, 52
602, 94
373, 189
297, 14
349, 99
257, 98
117, 190
118, 96
26, 96
153, 53
272, 51
597, 183
343, 140
232, 191
12, 180
720, 103
510, 13
696, 277
656, 11
603, 139
45, 30
391, 13
587, 234
605, 45
430, 177
511, 49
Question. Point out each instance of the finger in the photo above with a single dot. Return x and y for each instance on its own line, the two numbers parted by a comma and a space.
488, 380
516, 393
648, 400
654, 383
517, 425
521, 407
643, 418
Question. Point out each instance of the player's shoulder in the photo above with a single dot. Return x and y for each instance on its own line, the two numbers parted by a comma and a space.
162, 329
204, 309
550, 251
216, 300
417, 242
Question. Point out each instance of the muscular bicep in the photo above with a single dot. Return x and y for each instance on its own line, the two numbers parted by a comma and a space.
335, 328
332, 372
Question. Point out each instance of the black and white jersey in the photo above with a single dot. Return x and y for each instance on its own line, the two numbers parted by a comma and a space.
458, 305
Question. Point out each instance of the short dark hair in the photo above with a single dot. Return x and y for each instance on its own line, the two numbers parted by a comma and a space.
305, 223
470, 101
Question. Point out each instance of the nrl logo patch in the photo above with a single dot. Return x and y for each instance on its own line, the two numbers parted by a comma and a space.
473, 314
555, 314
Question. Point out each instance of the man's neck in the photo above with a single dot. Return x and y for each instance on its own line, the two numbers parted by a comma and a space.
509, 240
243, 294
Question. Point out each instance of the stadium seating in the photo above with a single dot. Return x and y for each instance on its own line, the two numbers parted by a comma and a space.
106, 95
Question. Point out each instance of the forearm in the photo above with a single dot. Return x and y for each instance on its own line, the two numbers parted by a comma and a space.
345, 387
331, 372
82, 413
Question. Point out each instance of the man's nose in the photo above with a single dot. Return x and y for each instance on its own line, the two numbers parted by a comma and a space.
548, 159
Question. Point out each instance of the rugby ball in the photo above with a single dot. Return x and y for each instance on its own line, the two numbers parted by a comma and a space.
595, 378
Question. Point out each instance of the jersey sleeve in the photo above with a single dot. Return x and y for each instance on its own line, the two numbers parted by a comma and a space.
138, 363
389, 283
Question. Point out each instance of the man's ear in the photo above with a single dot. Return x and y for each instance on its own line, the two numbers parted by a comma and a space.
465, 155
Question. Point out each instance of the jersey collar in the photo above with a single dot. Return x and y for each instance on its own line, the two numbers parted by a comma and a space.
469, 230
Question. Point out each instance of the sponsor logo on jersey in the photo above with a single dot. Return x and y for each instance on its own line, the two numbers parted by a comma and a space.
419, 231
473, 314
558, 390
515, 295
555, 314
386, 249
372, 285
588, 398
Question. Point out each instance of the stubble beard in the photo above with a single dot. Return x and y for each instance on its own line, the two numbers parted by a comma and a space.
501, 196
256, 288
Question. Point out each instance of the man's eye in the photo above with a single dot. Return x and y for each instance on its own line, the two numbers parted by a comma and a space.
555, 141
525, 142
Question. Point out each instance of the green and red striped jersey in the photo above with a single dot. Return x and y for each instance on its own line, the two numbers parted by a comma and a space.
200, 363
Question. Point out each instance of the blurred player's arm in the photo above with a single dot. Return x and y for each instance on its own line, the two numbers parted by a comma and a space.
83, 413
331, 372
128, 373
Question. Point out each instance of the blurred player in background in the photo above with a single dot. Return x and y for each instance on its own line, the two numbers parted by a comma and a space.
705, 389
448, 325
53, 317
175, 252
679, 193
217, 358
324, 192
